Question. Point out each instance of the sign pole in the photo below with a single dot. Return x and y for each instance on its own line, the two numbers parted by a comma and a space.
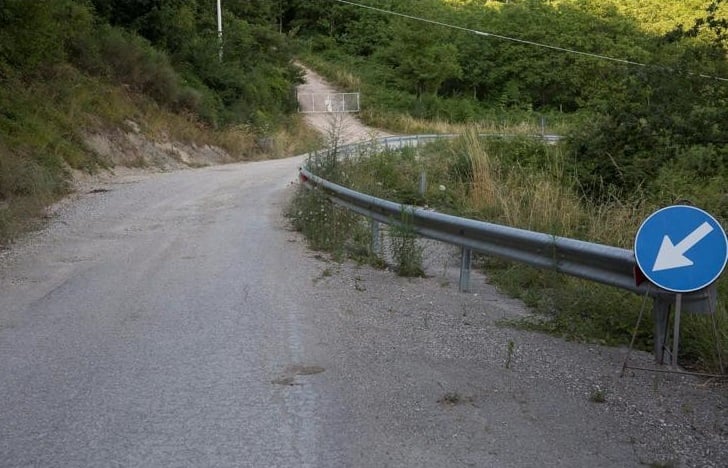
661, 315
676, 331
219, 28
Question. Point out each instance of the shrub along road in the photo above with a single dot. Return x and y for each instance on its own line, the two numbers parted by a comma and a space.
174, 320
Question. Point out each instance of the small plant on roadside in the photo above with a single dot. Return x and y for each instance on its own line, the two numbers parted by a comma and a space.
665, 464
509, 353
326, 273
359, 247
597, 396
406, 252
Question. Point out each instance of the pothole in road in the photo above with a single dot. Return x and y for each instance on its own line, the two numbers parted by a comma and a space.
288, 377
455, 398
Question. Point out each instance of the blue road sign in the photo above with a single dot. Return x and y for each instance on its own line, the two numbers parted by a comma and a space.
681, 248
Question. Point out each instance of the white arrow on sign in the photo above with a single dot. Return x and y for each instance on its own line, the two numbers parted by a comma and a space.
673, 256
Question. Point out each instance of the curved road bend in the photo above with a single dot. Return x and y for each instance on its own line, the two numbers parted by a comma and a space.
175, 321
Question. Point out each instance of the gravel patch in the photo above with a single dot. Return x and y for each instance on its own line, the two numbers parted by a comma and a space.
425, 328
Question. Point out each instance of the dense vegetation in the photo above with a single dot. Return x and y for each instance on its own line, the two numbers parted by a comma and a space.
638, 128
653, 130
69, 67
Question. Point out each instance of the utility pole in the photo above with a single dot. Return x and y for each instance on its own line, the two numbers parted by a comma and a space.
219, 27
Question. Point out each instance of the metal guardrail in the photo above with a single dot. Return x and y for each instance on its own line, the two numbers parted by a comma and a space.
397, 142
604, 264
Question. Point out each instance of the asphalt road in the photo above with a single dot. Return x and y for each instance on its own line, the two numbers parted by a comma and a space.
146, 326
174, 320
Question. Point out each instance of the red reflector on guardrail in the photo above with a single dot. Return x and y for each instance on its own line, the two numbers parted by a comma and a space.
639, 277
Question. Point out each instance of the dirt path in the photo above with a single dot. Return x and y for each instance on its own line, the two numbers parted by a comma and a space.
335, 126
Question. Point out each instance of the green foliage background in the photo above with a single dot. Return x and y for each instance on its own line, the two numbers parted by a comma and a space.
657, 129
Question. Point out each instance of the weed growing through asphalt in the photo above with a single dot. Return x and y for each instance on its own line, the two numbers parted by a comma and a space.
597, 396
450, 398
454, 399
666, 464
509, 353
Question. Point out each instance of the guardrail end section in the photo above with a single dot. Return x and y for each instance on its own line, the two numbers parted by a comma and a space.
376, 237
465, 265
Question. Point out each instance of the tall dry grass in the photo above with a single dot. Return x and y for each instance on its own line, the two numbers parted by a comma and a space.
616, 222
347, 81
239, 141
519, 196
406, 124
545, 200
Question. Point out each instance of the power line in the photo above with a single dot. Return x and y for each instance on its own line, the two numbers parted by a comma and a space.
524, 41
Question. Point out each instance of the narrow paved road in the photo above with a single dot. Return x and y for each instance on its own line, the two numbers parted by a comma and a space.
145, 327
174, 320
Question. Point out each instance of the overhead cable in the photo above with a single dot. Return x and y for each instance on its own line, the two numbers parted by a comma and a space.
523, 41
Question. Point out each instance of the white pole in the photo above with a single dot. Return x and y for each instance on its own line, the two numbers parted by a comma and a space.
219, 26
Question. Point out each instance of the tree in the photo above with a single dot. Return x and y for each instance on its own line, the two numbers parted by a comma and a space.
35, 35
423, 61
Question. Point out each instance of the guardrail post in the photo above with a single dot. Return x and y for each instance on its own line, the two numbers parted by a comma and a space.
376, 238
465, 261
661, 316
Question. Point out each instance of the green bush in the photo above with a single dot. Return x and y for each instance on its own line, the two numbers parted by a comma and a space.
34, 35
326, 226
406, 252
132, 61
